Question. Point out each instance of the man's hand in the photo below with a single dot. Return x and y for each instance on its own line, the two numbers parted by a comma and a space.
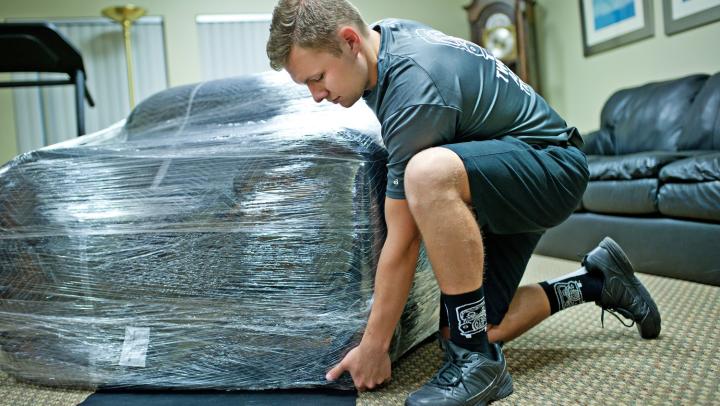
368, 366
369, 362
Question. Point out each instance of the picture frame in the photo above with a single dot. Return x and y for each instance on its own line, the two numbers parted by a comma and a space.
682, 15
608, 24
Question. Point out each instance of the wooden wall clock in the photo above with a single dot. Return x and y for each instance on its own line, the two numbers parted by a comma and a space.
506, 28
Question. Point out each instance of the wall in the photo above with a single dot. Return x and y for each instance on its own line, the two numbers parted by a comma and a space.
181, 38
577, 86
8, 144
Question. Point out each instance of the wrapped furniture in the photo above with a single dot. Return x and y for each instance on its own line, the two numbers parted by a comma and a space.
654, 181
224, 236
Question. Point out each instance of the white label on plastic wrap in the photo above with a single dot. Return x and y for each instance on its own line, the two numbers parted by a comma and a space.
135, 346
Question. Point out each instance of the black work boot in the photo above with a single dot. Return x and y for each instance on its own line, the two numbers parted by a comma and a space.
467, 378
622, 292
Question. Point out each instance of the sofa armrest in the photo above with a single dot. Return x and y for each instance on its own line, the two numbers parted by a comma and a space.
600, 142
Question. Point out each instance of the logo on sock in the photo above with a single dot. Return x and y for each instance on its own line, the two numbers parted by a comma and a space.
569, 294
471, 318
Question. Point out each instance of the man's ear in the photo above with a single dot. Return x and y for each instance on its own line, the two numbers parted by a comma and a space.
349, 35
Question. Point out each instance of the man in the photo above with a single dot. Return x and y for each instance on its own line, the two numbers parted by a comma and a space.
479, 166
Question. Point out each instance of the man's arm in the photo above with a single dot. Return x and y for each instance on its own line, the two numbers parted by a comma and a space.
394, 275
369, 362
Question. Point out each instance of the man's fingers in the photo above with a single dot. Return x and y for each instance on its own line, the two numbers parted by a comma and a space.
335, 373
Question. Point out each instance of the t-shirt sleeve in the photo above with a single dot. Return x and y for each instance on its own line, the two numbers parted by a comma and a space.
411, 130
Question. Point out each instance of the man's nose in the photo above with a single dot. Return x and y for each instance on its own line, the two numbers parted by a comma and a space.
318, 93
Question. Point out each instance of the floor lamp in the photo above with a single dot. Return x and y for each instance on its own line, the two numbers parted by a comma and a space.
126, 15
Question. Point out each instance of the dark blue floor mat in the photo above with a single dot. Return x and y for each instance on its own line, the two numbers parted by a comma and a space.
320, 397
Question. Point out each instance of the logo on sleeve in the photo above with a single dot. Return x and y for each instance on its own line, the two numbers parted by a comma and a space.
502, 71
437, 37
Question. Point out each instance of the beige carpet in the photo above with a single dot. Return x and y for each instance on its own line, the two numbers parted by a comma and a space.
568, 359
13, 393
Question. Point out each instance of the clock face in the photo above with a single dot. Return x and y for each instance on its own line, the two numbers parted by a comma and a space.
505, 28
495, 30
500, 41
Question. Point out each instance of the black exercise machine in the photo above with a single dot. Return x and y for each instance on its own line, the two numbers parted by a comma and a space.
40, 47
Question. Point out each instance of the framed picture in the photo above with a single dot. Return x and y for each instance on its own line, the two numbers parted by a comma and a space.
607, 24
681, 15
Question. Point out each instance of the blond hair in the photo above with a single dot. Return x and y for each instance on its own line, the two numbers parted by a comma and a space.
311, 24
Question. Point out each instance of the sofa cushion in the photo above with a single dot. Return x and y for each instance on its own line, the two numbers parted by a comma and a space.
705, 167
650, 117
633, 166
701, 129
697, 201
692, 188
637, 196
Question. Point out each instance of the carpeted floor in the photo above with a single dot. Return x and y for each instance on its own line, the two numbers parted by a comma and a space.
568, 359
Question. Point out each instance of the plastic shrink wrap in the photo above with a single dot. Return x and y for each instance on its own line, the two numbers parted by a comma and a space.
225, 236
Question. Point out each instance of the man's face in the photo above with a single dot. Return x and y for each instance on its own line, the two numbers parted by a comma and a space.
338, 79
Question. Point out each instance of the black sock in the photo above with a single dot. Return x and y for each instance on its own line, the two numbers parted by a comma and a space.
443, 315
573, 289
467, 320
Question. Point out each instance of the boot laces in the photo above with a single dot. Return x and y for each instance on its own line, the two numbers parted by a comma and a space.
450, 374
615, 312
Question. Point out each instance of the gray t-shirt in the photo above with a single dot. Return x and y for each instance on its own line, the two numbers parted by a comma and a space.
434, 89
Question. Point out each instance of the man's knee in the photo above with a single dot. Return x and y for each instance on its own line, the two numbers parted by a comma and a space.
435, 174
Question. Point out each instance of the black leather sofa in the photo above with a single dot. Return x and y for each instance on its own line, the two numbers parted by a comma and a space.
654, 181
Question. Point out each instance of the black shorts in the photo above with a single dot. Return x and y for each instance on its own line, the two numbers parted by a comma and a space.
518, 191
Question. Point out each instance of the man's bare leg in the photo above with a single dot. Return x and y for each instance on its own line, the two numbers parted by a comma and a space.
438, 194
438, 201
453, 241
527, 309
